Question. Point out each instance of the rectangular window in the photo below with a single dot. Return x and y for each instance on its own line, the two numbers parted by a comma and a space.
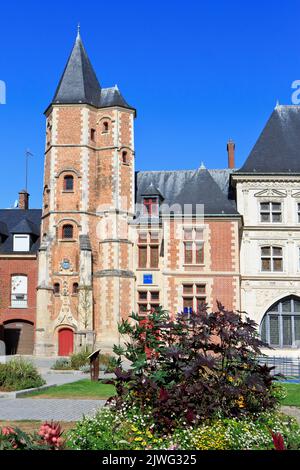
19, 287
154, 256
270, 212
188, 253
142, 256
21, 243
147, 300
148, 249
150, 206
93, 135
194, 296
271, 259
193, 245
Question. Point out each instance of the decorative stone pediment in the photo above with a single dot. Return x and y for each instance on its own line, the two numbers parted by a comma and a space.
65, 316
271, 193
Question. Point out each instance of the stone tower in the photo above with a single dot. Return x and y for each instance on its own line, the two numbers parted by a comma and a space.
86, 280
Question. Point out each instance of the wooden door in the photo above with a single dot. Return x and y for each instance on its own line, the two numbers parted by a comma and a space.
65, 342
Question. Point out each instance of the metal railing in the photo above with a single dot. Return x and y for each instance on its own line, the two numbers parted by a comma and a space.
287, 366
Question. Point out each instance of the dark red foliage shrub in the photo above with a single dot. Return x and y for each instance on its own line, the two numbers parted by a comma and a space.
192, 367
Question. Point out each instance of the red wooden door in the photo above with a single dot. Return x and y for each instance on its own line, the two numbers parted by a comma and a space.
65, 342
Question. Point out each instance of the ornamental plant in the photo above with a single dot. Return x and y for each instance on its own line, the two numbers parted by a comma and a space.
192, 367
49, 437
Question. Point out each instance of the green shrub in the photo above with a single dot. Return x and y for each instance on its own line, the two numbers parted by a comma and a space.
19, 374
62, 364
129, 429
80, 359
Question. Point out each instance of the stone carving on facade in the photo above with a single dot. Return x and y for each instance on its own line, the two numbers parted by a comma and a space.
65, 316
271, 193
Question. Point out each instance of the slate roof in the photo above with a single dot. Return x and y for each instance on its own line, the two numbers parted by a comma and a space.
79, 83
15, 220
190, 187
277, 150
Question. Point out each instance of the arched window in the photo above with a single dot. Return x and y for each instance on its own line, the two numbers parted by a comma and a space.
56, 288
75, 288
105, 127
67, 231
280, 326
68, 183
125, 157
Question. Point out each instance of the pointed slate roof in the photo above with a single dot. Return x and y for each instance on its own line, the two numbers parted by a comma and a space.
151, 190
79, 83
190, 187
277, 150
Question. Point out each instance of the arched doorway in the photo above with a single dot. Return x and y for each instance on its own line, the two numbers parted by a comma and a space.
280, 327
65, 342
19, 337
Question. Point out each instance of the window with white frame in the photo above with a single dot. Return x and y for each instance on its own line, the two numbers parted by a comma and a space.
271, 259
193, 245
21, 243
19, 287
270, 212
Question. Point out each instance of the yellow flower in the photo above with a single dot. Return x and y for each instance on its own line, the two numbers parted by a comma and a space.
144, 443
138, 439
134, 428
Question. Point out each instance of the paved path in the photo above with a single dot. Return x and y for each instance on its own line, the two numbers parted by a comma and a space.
47, 409
293, 411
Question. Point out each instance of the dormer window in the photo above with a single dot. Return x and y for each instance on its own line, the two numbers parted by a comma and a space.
150, 206
21, 243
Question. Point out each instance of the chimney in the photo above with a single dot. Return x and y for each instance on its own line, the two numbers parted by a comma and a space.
230, 150
23, 199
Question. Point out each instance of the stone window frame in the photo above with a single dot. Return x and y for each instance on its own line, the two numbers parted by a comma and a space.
194, 241
148, 302
272, 257
194, 295
22, 301
148, 243
270, 200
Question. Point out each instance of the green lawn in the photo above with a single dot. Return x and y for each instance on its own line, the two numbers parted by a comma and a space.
293, 395
81, 389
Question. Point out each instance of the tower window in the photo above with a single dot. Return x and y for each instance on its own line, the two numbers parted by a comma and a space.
68, 183
93, 135
125, 158
56, 288
105, 127
67, 231
75, 288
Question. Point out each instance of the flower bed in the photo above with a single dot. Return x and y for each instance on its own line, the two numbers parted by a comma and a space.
131, 430
19, 374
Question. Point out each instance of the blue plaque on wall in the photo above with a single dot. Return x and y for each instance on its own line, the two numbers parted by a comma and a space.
148, 279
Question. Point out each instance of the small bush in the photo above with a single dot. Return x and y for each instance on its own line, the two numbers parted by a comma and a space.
80, 359
62, 364
19, 374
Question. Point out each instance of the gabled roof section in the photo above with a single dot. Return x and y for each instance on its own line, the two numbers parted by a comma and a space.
187, 187
277, 149
79, 83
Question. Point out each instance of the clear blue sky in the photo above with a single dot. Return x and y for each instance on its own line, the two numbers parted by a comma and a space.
197, 72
